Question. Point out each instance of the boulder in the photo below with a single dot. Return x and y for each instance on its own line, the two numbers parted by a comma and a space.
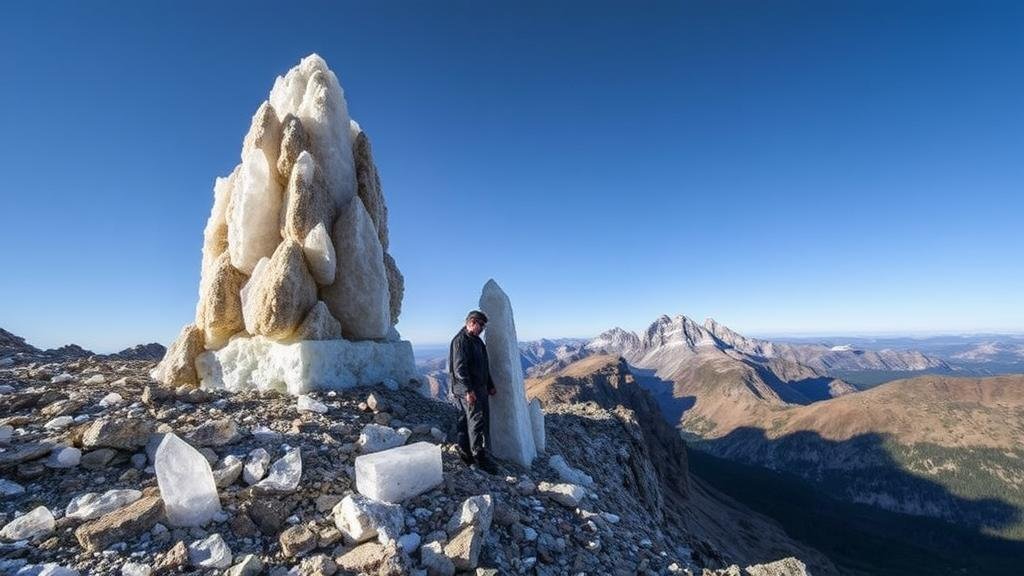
256, 466
269, 514
569, 474
511, 428
214, 433
359, 296
284, 293
222, 303
64, 457
178, 367
318, 325
24, 453
121, 525
248, 565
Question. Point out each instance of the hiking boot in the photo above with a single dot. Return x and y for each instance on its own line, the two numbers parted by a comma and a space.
486, 464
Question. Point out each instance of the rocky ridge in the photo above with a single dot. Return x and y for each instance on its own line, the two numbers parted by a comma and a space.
81, 492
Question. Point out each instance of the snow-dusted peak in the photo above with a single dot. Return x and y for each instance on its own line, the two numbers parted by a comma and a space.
677, 331
616, 341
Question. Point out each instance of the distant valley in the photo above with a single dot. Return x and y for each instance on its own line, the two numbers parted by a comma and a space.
931, 426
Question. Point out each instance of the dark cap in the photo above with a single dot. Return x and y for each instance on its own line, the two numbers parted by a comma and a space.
478, 315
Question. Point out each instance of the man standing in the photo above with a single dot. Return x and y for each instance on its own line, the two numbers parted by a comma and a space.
471, 385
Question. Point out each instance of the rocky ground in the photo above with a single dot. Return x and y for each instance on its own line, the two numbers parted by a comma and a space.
91, 426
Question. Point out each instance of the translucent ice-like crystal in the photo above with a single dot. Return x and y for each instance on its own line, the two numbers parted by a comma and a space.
399, 473
186, 483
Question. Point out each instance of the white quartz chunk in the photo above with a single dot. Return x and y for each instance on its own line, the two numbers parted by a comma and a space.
93, 504
305, 403
511, 428
186, 483
374, 438
360, 518
399, 473
285, 473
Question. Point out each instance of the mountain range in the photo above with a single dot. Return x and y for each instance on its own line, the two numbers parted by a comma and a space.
14, 348
936, 445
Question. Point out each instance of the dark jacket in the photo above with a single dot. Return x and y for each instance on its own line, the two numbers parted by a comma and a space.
467, 365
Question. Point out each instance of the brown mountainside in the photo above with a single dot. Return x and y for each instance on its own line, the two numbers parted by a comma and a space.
711, 522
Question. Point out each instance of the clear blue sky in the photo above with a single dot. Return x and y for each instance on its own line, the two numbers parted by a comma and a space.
780, 166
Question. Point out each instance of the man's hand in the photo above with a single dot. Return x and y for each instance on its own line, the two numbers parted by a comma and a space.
471, 398
492, 390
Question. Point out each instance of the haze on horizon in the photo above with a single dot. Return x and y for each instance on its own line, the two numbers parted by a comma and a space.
841, 169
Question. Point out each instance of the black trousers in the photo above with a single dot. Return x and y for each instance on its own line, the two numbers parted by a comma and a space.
473, 427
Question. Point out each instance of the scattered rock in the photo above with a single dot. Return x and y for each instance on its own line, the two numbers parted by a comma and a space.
375, 438
464, 548
121, 433
568, 495
248, 565
432, 558
214, 433
284, 474
120, 525
363, 558
36, 523
785, 567
93, 504
359, 518
210, 552
229, 471
297, 541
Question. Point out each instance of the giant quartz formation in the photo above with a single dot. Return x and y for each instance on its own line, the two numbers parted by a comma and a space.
511, 426
297, 289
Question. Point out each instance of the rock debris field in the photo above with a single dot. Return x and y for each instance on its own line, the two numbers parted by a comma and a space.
104, 471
